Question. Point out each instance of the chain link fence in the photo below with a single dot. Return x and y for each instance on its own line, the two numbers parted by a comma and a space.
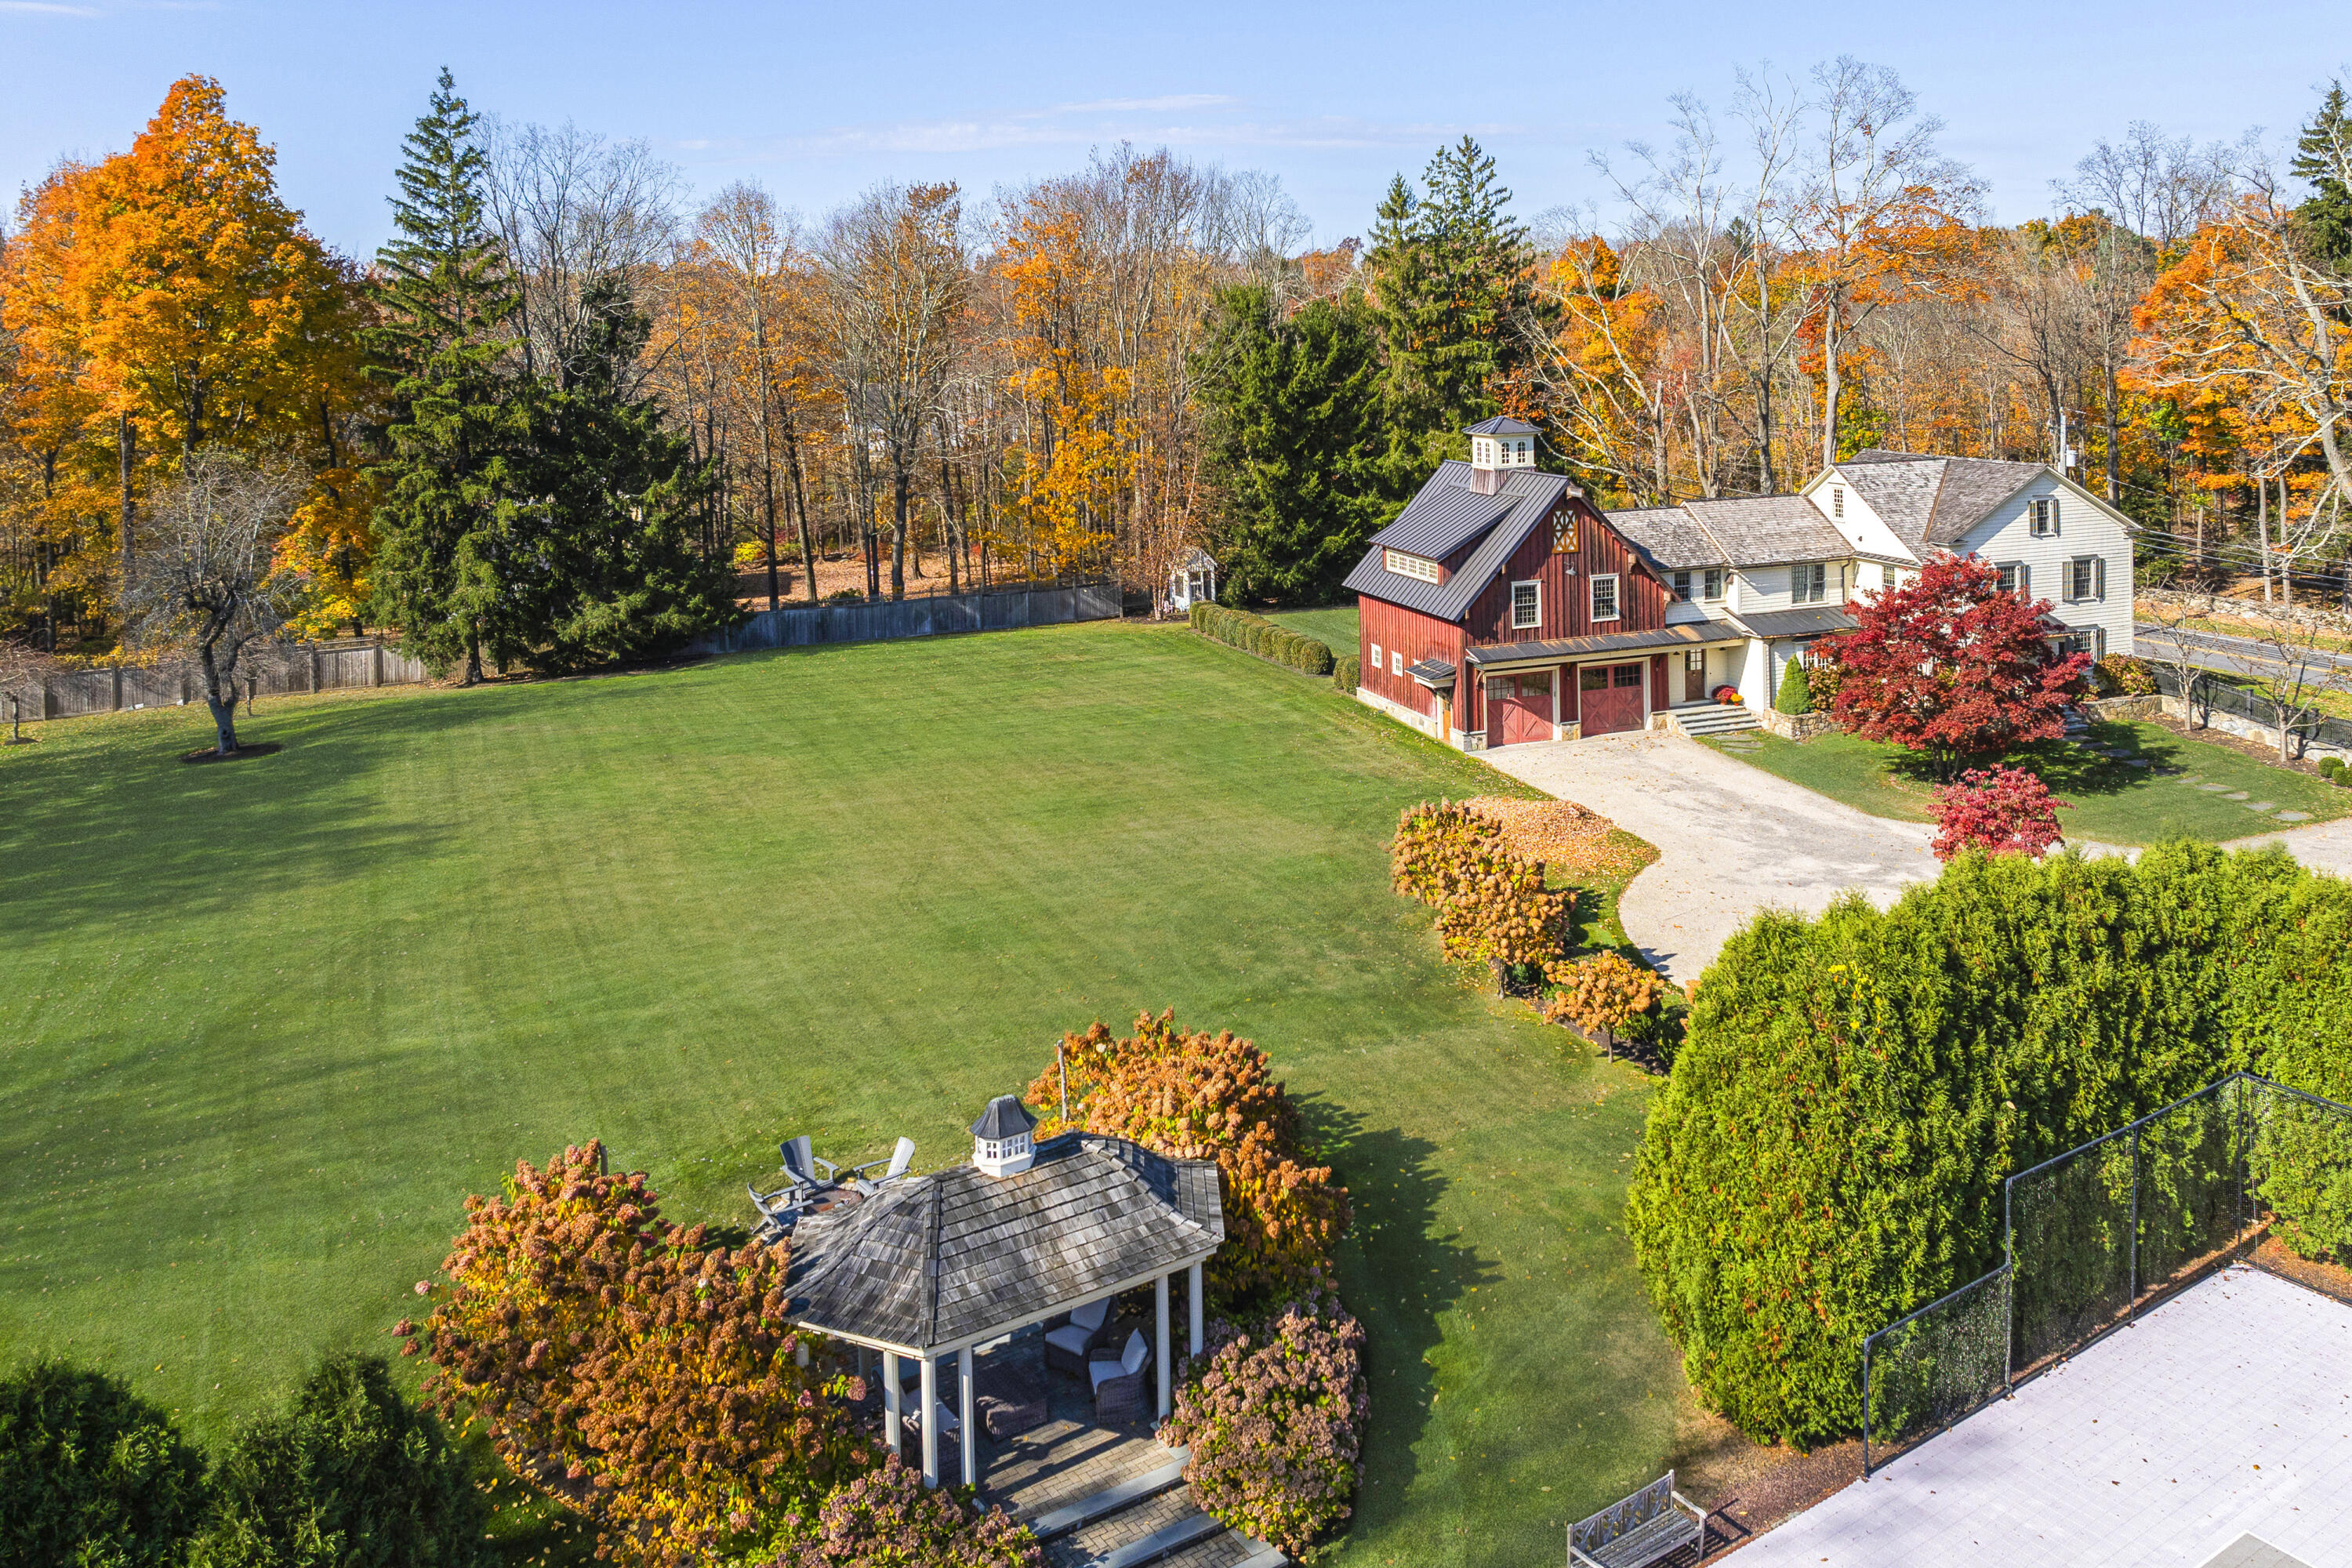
2094, 1236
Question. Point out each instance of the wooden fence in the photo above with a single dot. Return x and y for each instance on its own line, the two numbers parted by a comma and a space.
276, 671
803, 626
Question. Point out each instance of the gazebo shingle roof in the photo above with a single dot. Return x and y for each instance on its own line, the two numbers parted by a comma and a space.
947, 1259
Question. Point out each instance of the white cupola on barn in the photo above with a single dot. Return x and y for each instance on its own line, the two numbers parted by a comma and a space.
1001, 1141
1496, 444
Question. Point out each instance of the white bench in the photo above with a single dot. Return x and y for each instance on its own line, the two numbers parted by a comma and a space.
1654, 1522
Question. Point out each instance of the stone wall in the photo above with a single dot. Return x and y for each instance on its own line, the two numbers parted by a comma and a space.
2122, 709
2294, 616
1795, 726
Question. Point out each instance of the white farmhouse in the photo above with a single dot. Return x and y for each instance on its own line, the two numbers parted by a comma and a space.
1771, 574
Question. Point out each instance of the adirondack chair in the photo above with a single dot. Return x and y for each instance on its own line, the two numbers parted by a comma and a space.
900, 1158
776, 1218
801, 1164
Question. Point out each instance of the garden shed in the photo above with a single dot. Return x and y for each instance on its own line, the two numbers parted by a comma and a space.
1193, 581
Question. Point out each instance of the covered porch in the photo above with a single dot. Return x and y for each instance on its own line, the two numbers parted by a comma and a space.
1580, 686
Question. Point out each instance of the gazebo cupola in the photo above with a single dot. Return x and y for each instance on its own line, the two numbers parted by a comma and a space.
1497, 445
1002, 1144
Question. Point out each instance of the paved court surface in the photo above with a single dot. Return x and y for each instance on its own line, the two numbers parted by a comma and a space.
2224, 1414
1731, 838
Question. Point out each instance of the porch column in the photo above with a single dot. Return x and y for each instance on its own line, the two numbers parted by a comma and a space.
929, 1414
965, 1443
1159, 1310
1193, 1298
891, 1426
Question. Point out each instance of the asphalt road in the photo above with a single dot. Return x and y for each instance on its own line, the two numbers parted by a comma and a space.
2238, 656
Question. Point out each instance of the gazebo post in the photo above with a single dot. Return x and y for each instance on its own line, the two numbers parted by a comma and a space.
930, 1419
1160, 1311
965, 1445
891, 1425
1193, 1300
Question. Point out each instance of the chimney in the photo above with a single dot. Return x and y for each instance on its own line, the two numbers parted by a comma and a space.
1002, 1144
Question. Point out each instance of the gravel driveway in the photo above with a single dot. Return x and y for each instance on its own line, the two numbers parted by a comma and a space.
1731, 838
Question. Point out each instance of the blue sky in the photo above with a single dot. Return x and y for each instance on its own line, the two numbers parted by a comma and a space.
817, 102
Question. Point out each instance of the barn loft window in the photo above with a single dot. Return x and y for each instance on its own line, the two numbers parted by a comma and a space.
1563, 534
1405, 565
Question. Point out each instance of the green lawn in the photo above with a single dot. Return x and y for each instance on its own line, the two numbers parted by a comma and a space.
263, 1025
2114, 803
1335, 626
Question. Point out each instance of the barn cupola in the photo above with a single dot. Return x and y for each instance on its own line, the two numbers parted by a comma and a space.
1496, 445
1001, 1141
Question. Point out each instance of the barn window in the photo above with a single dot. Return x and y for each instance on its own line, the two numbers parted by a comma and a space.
1604, 597
1563, 533
1527, 606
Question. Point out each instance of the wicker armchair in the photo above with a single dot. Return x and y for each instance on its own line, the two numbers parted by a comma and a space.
1071, 1343
1119, 1385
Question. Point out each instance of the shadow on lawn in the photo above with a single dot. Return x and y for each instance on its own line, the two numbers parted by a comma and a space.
2070, 771
1397, 1276
120, 828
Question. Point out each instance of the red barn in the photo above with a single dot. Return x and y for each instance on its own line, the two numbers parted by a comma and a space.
1501, 606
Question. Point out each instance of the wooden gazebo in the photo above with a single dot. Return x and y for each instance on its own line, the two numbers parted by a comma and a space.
937, 1265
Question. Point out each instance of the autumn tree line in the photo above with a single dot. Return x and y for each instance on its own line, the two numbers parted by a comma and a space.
565, 416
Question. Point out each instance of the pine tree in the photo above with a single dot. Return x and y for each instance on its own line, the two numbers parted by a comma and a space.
443, 297
1452, 279
2324, 158
616, 574
1294, 442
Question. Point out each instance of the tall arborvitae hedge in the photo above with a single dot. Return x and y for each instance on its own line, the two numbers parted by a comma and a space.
1853, 1090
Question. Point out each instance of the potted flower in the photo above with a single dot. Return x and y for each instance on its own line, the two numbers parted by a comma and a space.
1727, 694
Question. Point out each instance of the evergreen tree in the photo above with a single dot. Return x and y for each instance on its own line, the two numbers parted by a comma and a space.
1452, 280
2324, 157
443, 297
1294, 438
613, 574
352, 1473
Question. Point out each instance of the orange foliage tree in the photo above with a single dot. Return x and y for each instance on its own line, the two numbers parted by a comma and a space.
631, 1372
166, 300
1197, 1096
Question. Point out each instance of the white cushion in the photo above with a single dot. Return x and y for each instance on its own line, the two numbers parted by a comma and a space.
947, 1417
1101, 1372
1090, 1316
1136, 1351
1070, 1337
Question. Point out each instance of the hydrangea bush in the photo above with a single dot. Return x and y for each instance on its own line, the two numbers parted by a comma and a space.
889, 1518
1274, 1417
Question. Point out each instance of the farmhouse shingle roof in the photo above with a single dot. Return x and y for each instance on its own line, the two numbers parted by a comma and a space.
947, 1259
1668, 537
1769, 531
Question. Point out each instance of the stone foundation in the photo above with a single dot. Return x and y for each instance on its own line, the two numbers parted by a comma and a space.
2122, 709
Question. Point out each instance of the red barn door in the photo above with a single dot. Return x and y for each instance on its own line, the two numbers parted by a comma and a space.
1610, 698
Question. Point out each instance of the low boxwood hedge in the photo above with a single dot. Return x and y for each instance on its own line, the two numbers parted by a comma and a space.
1255, 633
1347, 674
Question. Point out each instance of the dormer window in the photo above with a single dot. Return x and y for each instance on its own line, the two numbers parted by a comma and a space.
1405, 565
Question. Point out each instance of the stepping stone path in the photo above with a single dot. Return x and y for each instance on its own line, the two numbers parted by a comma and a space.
2262, 805
2294, 817
2137, 763
2212, 788
2238, 794
2192, 778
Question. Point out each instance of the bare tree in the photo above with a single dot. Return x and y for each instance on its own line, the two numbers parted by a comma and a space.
896, 284
755, 243
2291, 673
573, 208
1878, 204
2160, 187
204, 585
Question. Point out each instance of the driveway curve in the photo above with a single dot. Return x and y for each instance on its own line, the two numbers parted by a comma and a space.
1731, 839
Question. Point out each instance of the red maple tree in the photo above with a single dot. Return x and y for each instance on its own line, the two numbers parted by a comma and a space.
1953, 666
2003, 811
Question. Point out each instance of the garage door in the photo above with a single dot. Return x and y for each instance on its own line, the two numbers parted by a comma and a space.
1518, 708
1609, 698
